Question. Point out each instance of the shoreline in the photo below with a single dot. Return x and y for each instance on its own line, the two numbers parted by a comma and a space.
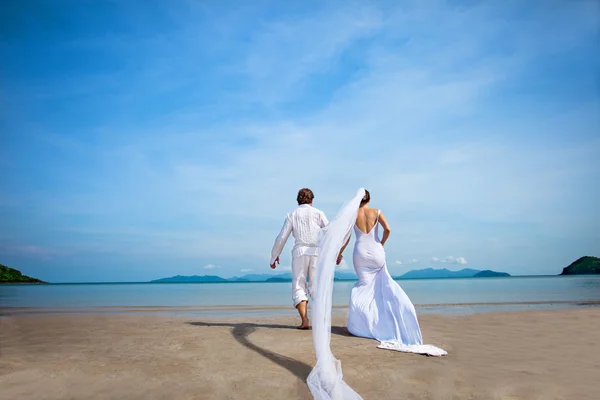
498, 356
438, 308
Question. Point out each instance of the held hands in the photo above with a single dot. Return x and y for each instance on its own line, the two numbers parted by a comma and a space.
275, 262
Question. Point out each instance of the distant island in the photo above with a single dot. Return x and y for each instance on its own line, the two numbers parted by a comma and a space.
277, 279
490, 274
285, 277
586, 265
430, 273
11, 275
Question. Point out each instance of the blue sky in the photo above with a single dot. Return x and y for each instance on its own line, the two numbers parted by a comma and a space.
148, 139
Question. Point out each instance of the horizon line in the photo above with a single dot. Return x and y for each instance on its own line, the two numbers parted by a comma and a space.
226, 280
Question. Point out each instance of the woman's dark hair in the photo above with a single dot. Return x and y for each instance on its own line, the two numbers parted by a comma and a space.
366, 198
305, 196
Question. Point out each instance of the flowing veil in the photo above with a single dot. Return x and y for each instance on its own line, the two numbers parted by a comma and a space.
325, 381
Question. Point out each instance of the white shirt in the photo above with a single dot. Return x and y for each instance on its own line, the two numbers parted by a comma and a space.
304, 223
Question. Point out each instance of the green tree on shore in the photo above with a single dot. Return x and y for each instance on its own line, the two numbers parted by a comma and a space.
584, 266
11, 275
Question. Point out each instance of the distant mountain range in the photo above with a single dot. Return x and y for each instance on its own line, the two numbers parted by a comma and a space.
285, 277
428, 273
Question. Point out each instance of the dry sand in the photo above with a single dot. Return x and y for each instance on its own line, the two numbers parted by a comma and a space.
515, 355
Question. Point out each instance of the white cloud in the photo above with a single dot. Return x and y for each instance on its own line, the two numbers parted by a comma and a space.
412, 261
398, 262
211, 266
283, 54
450, 260
247, 270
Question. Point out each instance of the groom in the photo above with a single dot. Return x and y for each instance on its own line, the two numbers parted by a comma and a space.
304, 223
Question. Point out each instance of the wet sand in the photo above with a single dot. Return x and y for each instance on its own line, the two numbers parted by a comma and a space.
551, 354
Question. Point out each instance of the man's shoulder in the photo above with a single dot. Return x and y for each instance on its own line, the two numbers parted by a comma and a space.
320, 213
306, 209
295, 211
315, 210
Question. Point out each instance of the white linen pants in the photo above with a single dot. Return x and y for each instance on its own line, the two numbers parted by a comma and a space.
302, 267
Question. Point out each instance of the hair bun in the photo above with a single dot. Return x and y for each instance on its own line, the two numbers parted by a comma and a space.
366, 198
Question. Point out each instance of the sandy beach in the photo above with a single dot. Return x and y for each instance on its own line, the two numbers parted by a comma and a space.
510, 355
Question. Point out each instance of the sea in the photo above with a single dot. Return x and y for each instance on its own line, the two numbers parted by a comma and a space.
443, 296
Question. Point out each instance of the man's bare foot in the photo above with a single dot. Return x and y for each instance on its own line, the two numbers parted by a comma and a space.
305, 325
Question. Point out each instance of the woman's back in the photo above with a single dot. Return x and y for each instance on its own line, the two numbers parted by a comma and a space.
368, 255
366, 219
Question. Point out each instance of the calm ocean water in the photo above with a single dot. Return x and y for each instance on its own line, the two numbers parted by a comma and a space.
429, 295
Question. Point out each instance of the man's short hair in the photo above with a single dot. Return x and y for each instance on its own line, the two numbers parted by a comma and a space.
305, 196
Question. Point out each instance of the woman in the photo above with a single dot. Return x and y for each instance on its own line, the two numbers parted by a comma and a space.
379, 308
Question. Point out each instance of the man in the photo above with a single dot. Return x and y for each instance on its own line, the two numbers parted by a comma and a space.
304, 223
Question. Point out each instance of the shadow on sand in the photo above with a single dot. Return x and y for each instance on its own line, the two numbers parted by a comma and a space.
241, 331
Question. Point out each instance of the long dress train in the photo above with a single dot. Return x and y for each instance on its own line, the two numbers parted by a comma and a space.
379, 308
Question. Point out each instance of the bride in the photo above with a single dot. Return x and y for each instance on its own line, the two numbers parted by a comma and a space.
379, 308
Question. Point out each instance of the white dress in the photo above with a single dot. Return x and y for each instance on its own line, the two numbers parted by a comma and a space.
373, 299
379, 308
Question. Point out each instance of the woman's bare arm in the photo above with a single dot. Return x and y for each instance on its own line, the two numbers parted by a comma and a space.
339, 258
386, 228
